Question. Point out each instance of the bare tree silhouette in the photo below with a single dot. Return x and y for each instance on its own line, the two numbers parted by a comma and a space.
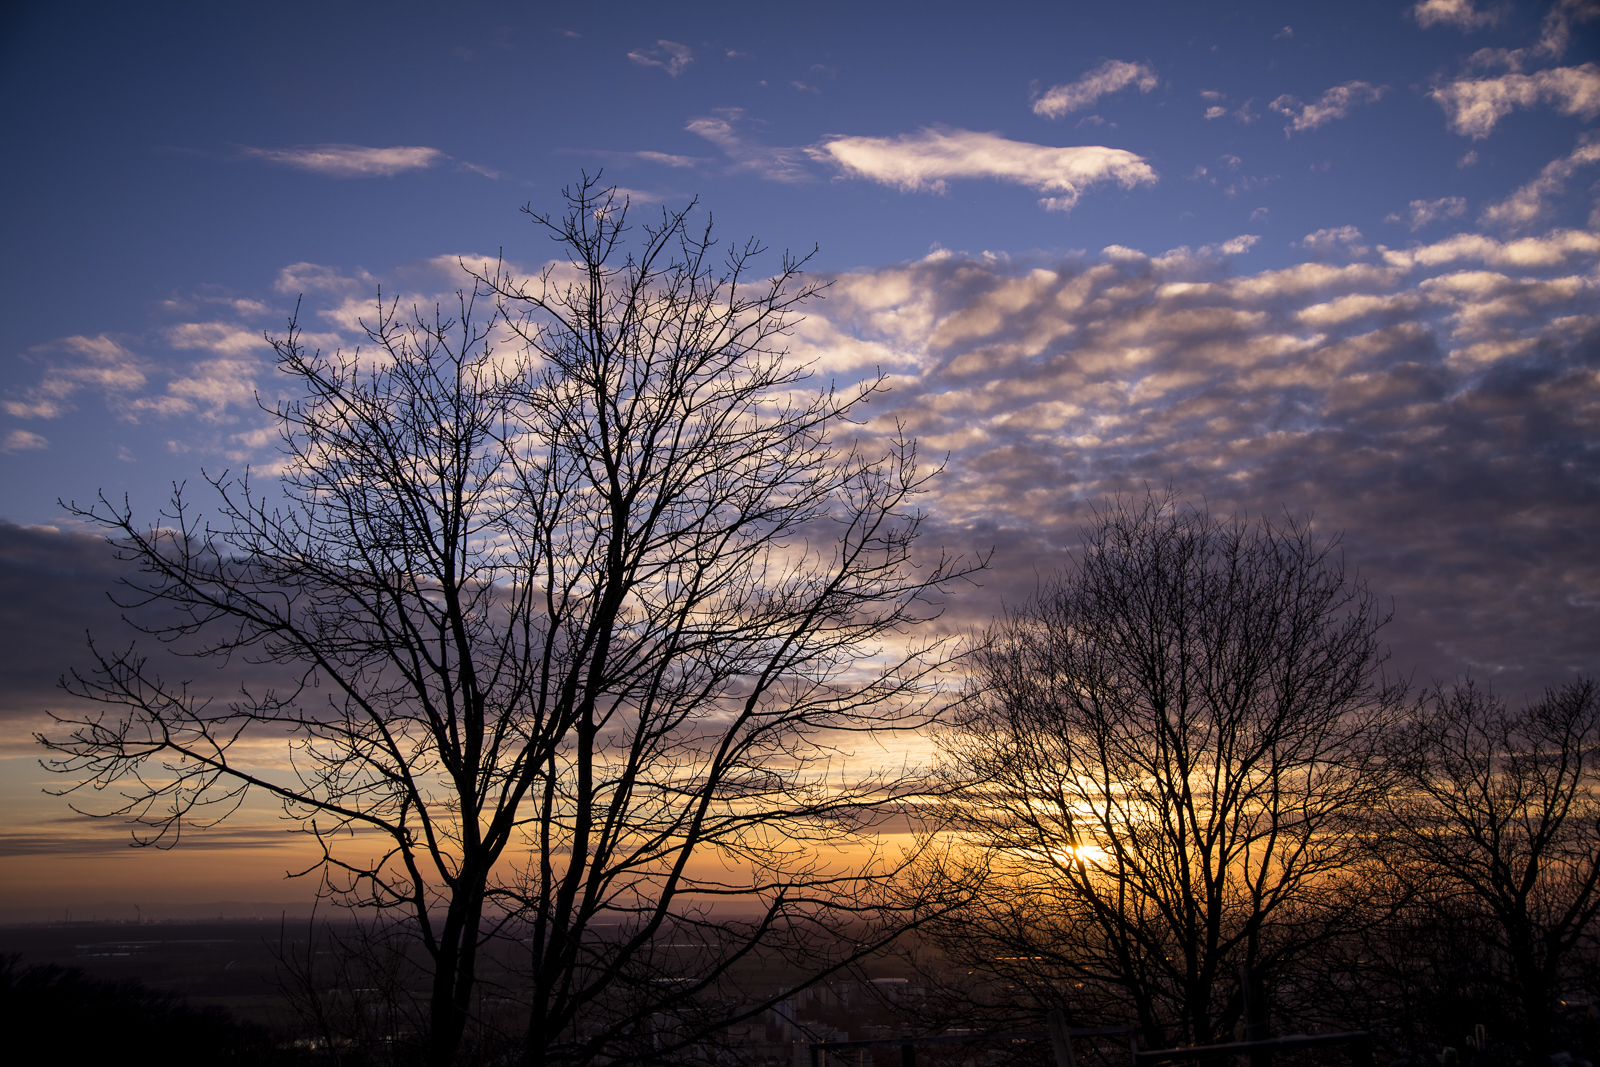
1497, 829
584, 598
1168, 757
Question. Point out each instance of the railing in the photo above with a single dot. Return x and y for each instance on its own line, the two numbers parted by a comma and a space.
908, 1045
1360, 1043
1259, 1051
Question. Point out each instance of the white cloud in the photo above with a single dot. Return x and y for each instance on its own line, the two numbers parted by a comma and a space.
929, 159
1216, 112
775, 164
1458, 13
99, 363
1333, 104
221, 337
1556, 249
1109, 77
1473, 106
1345, 239
23, 441
1441, 416
298, 278
350, 160
1238, 245
1421, 212
1530, 203
670, 56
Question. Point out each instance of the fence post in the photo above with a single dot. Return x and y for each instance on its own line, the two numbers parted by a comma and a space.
1060, 1039
1361, 1051
908, 1055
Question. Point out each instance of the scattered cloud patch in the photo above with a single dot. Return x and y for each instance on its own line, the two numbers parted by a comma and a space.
1532, 202
1216, 112
1109, 77
349, 160
928, 160
1473, 106
1422, 212
1438, 411
23, 441
90, 363
722, 128
1341, 239
1336, 103
667, 160
1239, 245
670, 56
1460, 14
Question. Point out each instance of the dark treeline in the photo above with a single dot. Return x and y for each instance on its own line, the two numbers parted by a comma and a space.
583, 604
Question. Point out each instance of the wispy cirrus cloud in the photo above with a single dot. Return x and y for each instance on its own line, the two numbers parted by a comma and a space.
928, 160
670, 56
1333, 104
1109, 77
1473, 106
721, 128
349, 160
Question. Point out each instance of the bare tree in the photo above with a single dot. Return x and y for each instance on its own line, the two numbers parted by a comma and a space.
582, 600
1168, 754
1498, 829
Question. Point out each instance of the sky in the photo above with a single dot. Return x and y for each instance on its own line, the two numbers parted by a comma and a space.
1336, 262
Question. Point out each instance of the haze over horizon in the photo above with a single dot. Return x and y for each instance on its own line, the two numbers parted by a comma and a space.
1344, 268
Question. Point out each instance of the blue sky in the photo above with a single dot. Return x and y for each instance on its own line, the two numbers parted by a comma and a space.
1339, 260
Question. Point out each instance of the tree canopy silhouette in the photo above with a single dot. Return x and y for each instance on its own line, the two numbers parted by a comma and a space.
1167, 760
581, 587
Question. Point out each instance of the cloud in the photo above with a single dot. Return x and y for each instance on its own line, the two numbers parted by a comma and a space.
1215, 112
928, 160
1557, 249
1109, 77
1531, 203
1437, 409
667, 160
1422, 212
1458, 13
23, 441
1472, 107
91, 362
1235, 246
670, 56
349, 160
775, 164
1335, 239
1333, 104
